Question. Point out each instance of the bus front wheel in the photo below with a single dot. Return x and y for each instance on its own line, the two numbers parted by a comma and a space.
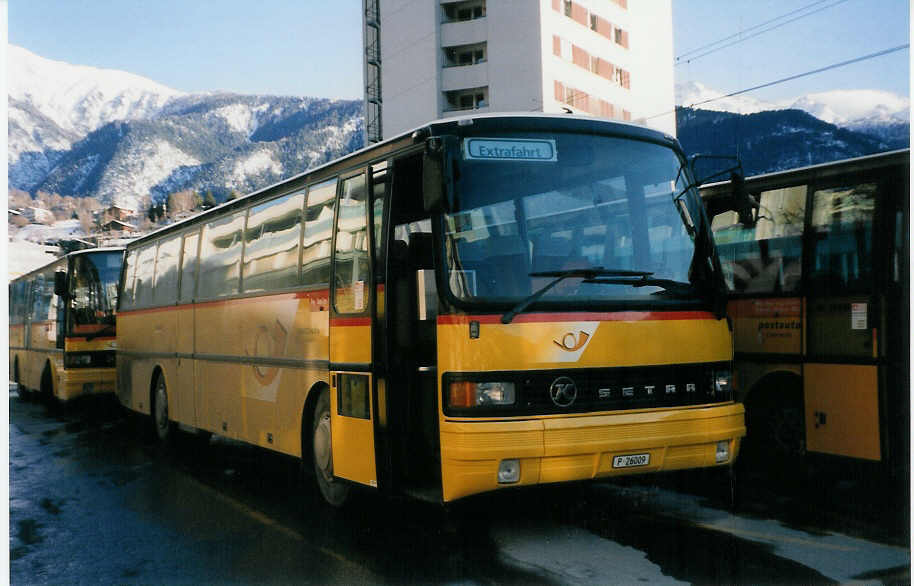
333, 490
20, 388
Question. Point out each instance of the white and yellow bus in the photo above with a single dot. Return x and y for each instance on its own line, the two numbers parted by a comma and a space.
486, 302
62, 325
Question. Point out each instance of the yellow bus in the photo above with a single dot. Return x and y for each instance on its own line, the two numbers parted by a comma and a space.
62, 325
820, 303
485, 302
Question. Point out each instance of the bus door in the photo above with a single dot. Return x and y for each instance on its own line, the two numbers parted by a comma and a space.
895, 320
408, 347
840, 377
352, 408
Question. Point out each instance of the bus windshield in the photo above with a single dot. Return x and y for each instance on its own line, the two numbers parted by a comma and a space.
600, 212
93, 293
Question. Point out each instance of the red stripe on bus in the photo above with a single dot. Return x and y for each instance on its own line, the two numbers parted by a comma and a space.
583, 316
83, 338
350, 321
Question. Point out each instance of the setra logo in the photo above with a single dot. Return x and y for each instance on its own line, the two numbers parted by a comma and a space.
572, 342
563, 391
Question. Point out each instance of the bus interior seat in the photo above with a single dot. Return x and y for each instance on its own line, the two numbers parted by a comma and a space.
500, 265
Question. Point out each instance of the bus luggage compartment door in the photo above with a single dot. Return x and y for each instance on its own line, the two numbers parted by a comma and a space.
842, 410
352, 435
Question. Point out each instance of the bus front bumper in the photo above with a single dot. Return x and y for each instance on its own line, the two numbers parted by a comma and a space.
586, 446
79, 382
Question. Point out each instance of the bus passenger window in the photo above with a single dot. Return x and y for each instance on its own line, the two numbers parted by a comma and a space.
351, 278
189, 267
220, 256
129, 274
767, 257
145, 267
166, 277
318, 230
42, 291
842, 226
271, 244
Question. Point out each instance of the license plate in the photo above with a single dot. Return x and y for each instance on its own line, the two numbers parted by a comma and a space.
631, 460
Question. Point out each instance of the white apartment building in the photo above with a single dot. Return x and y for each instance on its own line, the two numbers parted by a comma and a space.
429, 59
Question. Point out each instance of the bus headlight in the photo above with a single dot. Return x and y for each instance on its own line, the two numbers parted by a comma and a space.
71, 360
464, 394
722, 382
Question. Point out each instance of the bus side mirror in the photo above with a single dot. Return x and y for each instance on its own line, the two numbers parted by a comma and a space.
60, 284
743, 204
437, 174
738, 200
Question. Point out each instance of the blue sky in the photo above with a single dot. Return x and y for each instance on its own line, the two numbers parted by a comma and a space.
313, 47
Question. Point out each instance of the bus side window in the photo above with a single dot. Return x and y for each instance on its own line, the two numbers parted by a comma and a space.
41, 298
220, 256
767, 257
271, 244
318, 230
126, 296
351, 278
842, 243
189, 267
145, 268
166, 274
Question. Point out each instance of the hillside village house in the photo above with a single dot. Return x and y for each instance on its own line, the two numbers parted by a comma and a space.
38, 215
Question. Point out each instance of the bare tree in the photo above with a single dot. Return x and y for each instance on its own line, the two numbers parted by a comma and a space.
16, 198
86, 221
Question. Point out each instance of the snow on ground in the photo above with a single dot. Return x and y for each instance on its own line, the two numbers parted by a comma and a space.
257, 162
23, 256
575, 555
239, 117
836, 556
39, 233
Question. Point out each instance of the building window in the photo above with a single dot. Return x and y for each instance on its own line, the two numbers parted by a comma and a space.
469, 99
463, 11
621, 37
465, 55
568, 4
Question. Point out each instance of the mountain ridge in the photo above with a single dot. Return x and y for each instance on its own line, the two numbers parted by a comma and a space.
84, 131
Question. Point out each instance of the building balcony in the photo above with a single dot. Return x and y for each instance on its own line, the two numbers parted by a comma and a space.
465, 32
464, 77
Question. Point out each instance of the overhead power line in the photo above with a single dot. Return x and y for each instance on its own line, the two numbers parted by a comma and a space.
739, 38
792, 77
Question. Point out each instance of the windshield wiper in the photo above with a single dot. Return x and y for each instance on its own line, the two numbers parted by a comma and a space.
589, 275
668, 285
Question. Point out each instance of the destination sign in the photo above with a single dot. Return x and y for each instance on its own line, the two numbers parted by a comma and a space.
520, 149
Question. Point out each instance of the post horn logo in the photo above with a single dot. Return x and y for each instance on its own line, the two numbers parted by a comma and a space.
572, 342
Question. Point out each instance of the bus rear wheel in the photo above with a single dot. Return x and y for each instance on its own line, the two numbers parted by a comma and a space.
164, 428
332, 489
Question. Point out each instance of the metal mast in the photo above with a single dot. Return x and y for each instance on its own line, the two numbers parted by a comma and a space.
372, 43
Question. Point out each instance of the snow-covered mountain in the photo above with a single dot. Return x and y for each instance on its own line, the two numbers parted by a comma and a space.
870, 111
78, 130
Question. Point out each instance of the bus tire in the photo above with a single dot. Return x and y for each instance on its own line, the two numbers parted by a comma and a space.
775, 424
334, 491
47, 385
163, 426
20, 388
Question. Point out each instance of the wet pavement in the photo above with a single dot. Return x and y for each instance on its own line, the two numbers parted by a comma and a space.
94, 500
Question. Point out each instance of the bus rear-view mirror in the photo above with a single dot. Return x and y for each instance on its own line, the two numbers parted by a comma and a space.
60, 284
